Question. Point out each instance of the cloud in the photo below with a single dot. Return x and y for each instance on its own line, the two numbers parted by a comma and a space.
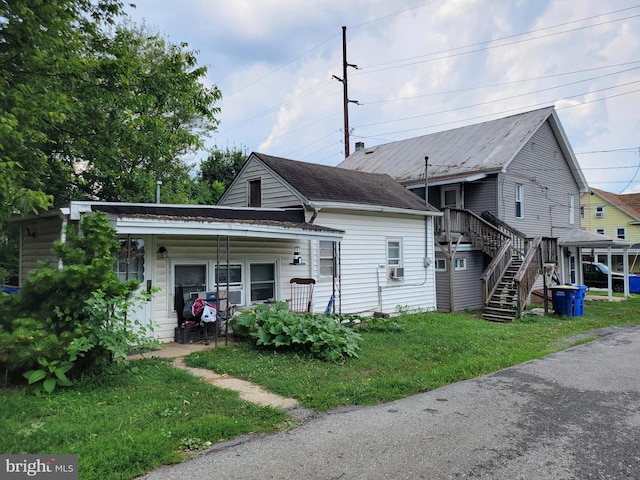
424, 66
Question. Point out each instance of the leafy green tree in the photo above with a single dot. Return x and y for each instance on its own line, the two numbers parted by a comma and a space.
94, 110
41, 49
143, 107
216, 173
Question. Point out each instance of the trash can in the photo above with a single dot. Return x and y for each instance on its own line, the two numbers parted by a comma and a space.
564, 297
578, 304
634, 283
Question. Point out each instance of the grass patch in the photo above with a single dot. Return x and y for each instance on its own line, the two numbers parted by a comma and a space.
122, 426
432, 350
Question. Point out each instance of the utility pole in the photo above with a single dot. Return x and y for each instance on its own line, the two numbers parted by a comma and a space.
345, 90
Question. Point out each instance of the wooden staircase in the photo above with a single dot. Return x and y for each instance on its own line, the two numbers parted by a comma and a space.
516, 263
502, 305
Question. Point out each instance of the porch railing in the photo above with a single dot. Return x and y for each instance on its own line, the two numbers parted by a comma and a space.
479, 232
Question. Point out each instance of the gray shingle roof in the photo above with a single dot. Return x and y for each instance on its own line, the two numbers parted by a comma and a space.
321, 183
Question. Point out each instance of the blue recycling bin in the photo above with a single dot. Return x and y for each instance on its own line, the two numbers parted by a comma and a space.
634, 283
564, 299
578, 303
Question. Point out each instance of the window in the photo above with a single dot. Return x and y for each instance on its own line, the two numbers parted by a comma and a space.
600, 231
231, 276
326, 258
394, 252
519, 201
262, 281
255, 193
449, 197
460, 264
581, 212
130, 262
600, 211
441, 265
621, 233
572, 209
188, 279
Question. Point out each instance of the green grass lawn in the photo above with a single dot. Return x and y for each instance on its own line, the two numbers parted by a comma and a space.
124, 425
433, 350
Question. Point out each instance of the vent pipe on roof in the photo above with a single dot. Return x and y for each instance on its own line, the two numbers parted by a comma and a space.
359, 146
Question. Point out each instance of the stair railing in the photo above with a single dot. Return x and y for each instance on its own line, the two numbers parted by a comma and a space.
528, 272
495, 270
519, 238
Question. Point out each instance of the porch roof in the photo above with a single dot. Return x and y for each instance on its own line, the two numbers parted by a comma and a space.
164, 219
576, 237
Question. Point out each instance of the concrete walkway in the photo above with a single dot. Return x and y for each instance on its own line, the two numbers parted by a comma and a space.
247, 390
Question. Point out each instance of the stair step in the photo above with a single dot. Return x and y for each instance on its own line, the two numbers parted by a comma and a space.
498, 318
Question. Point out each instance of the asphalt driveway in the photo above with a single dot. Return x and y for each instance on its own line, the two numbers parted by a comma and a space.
572, 415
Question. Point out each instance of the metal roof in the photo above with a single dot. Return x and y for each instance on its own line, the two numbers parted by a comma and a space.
486, 147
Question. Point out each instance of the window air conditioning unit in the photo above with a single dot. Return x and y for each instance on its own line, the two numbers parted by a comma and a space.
397, 272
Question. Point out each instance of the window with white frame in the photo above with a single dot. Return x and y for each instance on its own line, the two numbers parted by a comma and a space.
441, 264
460, 264
621, 232
581, 212
600, 231
599, 211
572, 209
230, 276
395, 267
130, 261
325, 258
262, 281
519, 200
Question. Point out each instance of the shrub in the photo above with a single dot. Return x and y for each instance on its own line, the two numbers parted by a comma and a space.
275, 327
73, 319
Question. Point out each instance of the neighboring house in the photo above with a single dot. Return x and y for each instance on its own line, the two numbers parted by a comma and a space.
366, 241
512, 179
385, 259
616, 216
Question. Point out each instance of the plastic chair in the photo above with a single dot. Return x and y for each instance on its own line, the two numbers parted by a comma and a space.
301, 294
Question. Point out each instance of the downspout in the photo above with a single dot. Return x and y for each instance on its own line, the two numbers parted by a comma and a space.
63, 234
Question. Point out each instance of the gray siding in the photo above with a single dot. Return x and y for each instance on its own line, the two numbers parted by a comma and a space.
481, 196
547, 179
275, 194
467, 286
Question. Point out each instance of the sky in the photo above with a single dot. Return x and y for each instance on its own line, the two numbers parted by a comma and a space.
415, 67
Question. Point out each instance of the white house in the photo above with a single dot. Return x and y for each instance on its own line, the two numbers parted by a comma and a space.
365, 240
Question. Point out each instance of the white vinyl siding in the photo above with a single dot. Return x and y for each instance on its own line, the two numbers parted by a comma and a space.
274, 194
363, 257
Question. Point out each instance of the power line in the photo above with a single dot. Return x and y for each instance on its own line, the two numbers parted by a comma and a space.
487, 42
